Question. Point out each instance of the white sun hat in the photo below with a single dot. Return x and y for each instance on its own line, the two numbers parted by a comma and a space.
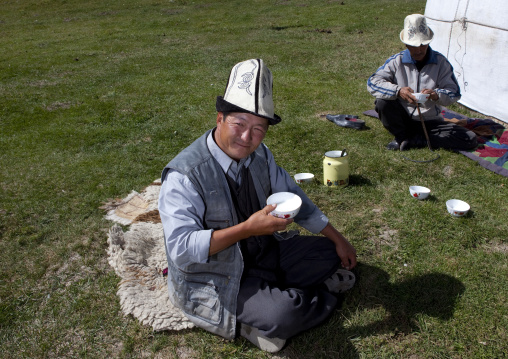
249, 90
416, 32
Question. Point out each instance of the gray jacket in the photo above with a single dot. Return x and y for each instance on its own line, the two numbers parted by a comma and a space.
207, 292
400, 71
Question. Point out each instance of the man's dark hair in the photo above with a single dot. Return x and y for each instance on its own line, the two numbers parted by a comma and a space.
224, 115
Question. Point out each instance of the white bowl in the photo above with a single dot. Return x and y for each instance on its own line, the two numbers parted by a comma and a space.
421, 97
304, 177
419, 192
457, 208
288, 204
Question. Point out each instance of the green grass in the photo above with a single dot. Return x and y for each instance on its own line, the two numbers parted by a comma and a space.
96, 97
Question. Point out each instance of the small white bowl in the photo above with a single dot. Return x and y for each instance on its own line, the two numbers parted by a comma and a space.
419, 192
421, 97
303, 177
457, 208
288, 204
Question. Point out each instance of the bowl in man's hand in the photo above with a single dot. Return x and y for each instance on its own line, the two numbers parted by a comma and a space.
421, 97
288, 204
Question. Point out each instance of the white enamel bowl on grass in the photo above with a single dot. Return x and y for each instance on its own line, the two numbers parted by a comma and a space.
288, 204
419, 192
457, 208
304, 177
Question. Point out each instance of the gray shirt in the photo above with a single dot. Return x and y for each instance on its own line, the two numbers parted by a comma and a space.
182, 209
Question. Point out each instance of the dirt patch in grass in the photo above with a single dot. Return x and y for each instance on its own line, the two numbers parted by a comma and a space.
59, 106
180, 353
496, 247
386, 237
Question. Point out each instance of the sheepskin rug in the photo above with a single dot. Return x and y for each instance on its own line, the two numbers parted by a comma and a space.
139, 259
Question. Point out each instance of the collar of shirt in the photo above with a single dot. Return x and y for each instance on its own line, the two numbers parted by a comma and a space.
227, 164
430, 58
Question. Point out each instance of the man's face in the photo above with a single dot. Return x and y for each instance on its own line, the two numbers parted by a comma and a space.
240, 134
418, 53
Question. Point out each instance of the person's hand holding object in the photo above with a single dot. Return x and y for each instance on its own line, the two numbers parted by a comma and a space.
258, 224
406, 93
263, 223
433, 94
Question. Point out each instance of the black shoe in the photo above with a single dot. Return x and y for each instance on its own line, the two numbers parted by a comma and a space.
417, 141
394, 145
405, 145
351, 121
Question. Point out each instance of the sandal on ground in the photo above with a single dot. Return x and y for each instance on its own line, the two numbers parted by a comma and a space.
340, 281
351, 121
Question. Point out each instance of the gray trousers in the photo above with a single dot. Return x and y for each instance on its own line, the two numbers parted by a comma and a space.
300, 300
442, 134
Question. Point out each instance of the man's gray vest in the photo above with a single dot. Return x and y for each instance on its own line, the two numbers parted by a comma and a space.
207, 292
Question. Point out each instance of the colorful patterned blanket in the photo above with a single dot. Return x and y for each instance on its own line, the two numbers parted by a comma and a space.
492, 150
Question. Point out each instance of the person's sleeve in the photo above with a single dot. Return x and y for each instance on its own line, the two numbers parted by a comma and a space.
310, 216
448, 88
382, 84
181, 210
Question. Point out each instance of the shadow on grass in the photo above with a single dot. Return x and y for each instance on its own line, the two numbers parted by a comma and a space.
405, 304
431, 294
358, 180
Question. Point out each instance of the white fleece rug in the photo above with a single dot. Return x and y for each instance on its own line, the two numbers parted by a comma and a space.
139, 259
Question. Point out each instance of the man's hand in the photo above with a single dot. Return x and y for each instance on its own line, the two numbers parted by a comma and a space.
263, 223
345, 251
258, 224
347, 254
406, 93
433, 94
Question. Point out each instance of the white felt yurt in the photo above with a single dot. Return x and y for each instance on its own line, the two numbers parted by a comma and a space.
473, 35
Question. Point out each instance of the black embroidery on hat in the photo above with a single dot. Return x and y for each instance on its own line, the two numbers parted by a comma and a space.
411, 32
246, 80
423, 28
256, 96
231, 80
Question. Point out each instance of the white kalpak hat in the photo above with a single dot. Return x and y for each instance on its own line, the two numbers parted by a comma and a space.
416, 32
249, 90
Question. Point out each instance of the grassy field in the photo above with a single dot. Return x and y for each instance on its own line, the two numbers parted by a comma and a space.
96, 97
